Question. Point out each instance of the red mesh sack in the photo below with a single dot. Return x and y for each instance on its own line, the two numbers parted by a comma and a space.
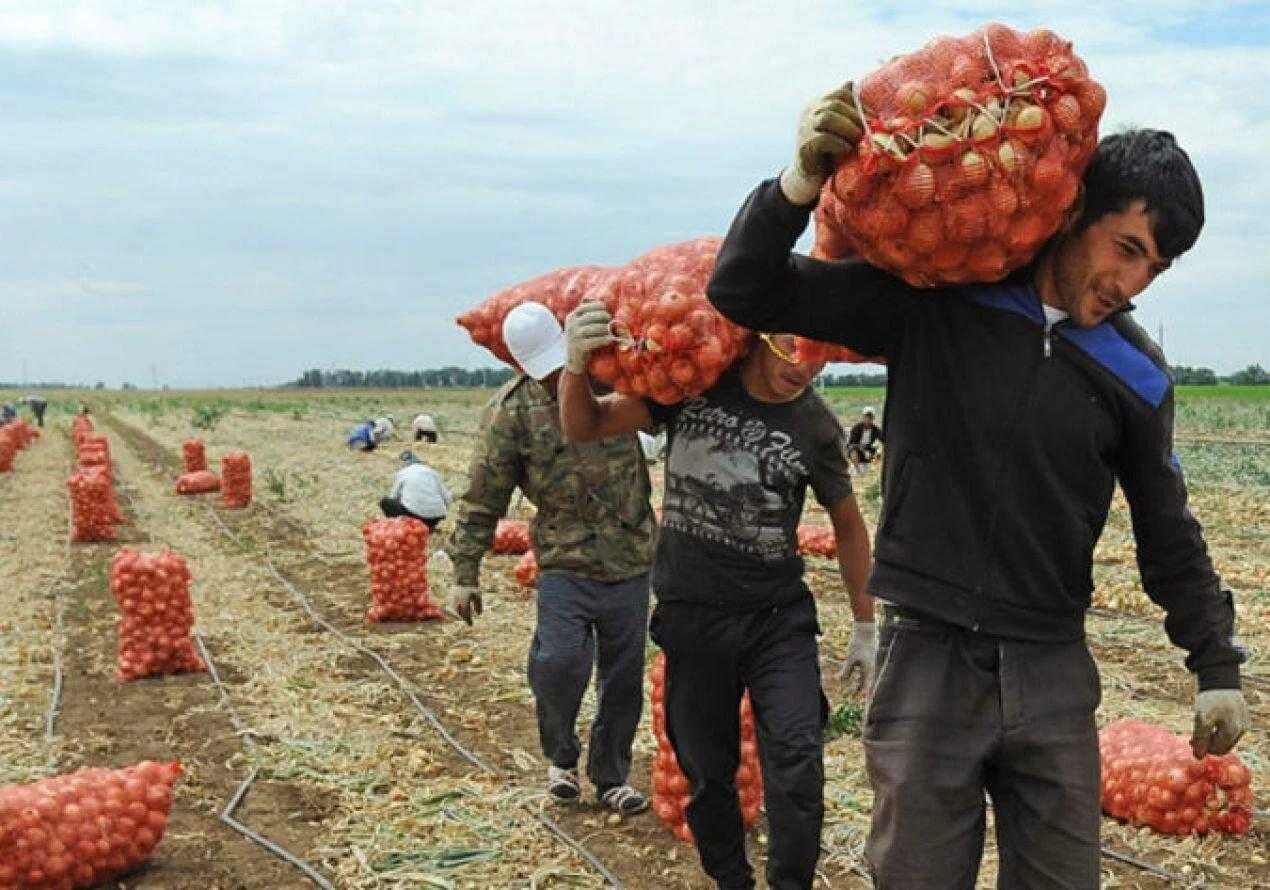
1151, 778
8, 449
81, 426
235, 472
813, 351
199, 482
817, 540
93, 509
194, 455
511, 537
83, 828
560, 291
153, 592
671, 791
974, 149
23, 433
397, 554
526, 570
672, 342
94, 454
93, 450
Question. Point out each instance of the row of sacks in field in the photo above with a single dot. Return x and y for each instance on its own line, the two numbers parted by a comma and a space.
87, 827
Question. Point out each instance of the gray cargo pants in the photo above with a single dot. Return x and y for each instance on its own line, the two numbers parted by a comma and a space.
583, 622
955, 714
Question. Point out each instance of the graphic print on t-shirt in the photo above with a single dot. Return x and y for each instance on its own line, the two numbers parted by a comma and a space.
731, 481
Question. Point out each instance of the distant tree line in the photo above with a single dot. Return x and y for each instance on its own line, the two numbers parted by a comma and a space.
386, 378
1253, 375
315, 378
854, 379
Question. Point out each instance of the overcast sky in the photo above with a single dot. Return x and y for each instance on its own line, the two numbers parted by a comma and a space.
226, 194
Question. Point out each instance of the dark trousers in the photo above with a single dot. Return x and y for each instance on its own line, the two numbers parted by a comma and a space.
39, 412
581, 623
955, 714
393, 507
862, 453
712, 657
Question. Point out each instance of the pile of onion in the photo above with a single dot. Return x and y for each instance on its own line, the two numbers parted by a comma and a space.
817, 540
235, 472
23, 433
1151, 778
194, 455
8, 448
83, 828
397, 556
973, 151
672, 343
526, 570
81, 426
511, 537
197, 482
93, 508
156, 614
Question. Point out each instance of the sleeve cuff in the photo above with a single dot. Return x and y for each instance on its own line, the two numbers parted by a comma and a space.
798, 190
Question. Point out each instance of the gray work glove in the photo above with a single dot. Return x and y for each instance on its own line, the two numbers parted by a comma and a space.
586, 329
862, 653
440, 563
465, 601
829, 128
1221, 716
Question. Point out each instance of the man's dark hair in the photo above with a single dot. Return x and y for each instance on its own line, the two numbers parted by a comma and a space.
1146, 165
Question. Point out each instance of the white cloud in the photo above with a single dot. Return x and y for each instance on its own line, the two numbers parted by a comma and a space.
279, 160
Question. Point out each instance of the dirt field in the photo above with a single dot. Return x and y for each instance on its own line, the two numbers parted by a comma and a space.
354, 774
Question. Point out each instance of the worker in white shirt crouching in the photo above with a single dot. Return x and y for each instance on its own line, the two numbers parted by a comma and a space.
417, 491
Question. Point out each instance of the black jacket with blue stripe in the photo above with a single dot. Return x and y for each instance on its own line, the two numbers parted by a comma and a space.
1005, 440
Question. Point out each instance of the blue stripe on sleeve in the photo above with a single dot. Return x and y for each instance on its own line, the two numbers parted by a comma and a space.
1109, 348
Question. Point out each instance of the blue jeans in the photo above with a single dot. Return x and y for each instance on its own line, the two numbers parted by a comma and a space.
584, 623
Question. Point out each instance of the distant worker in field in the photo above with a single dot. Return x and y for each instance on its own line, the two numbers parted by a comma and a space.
362, 437
425, 428
864, 439
8, 413
383, 428
418, 491
733, 611
37, 404
593, 539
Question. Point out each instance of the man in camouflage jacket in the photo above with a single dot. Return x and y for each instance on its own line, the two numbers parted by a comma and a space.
592, 536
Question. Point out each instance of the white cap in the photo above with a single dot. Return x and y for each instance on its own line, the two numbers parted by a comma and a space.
535, 339
424, 423
868, 409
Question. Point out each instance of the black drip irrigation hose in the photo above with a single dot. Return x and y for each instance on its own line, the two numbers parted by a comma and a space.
54, 592
227, 815
1150, 868
428, 715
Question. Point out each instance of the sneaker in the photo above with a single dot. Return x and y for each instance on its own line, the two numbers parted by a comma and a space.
562, 784
623, 799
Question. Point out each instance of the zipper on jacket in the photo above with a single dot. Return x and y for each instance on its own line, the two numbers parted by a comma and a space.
1019, 411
